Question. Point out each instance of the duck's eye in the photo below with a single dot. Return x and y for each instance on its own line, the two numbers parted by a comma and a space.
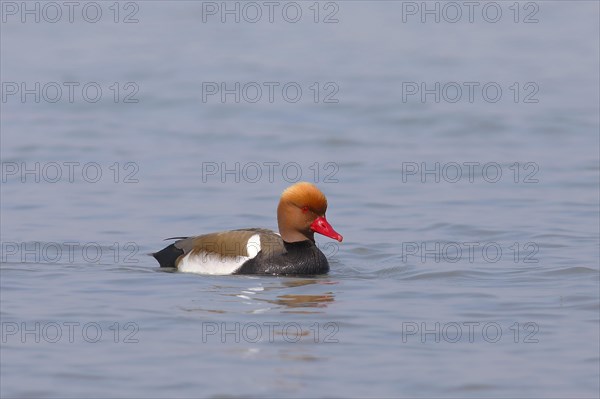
304, 209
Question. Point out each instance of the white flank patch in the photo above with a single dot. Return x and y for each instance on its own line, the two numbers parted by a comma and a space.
209, 263
253, 246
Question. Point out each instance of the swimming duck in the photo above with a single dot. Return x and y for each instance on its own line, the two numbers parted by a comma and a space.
300, 214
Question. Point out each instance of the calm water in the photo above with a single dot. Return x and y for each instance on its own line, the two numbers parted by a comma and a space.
470, 261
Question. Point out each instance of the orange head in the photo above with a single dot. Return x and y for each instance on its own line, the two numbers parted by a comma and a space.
301, 213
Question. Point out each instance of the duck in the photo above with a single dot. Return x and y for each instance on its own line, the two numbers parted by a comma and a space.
292, 251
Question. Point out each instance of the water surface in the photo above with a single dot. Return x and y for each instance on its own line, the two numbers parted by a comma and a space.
418, 303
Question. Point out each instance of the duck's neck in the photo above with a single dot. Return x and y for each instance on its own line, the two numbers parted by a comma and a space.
287, 223
290, 235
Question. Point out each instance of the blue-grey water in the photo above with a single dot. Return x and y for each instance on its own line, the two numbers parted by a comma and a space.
460, 157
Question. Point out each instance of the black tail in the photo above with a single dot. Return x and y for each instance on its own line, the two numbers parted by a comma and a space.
168, 256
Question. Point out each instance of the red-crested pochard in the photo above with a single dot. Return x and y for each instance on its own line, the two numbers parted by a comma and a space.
300, 214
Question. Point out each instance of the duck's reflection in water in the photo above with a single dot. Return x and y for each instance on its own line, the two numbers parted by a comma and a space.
254, 318
302, 301
261, 292
295, 301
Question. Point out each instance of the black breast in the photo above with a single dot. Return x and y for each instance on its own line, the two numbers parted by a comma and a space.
299, 258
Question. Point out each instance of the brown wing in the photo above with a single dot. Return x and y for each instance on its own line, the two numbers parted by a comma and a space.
232, 243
